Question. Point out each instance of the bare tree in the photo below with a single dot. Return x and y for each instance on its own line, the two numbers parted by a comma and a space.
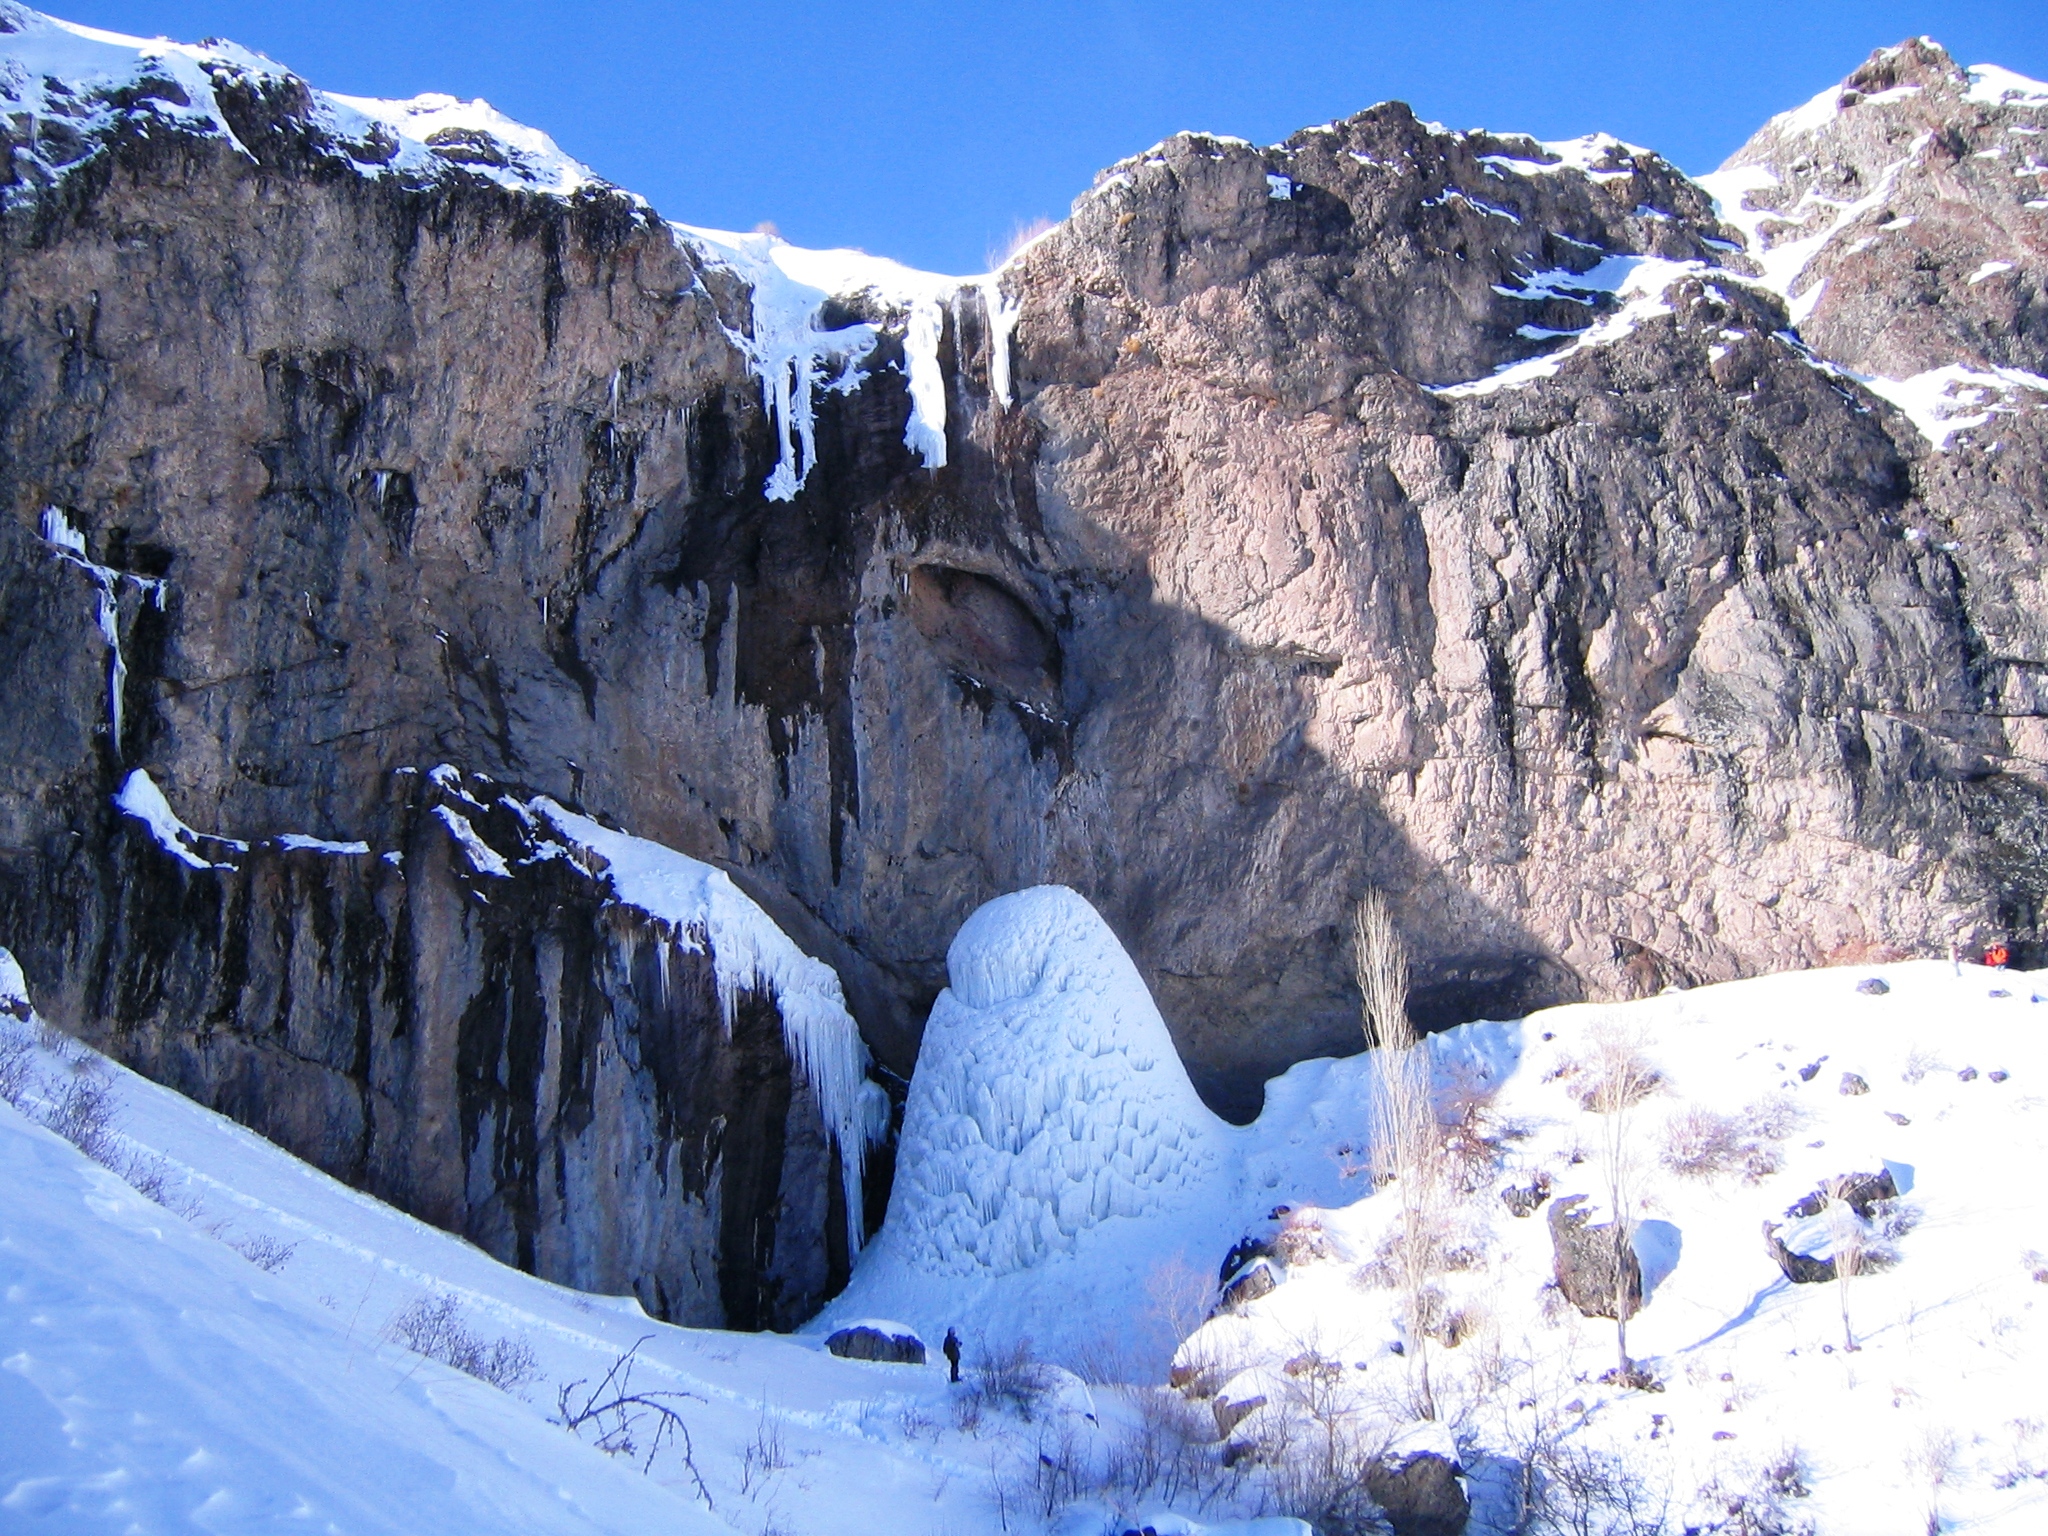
1408, 1147
615, 1412
1846, 1233
1623, 1078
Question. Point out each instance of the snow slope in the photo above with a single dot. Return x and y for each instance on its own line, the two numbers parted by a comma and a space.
1938, 1409
154, 1380
1024, 1204
224, 1361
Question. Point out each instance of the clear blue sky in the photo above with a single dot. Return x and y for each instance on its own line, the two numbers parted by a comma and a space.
929, 131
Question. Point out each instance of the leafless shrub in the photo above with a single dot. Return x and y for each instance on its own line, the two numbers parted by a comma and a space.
149, 1176
1313, 1458
1919, 1062
1010, 1378
270, 1254
81, 1108
1578, 1491
434, 1326
1058, 1471
1934, 1459
622, 1420
1700, 1143
17, 1069
765, 1455
1169, 1454
1619, 1079
1755, 1500
1178, 1296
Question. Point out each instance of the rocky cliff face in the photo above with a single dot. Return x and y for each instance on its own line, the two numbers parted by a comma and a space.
1506, 526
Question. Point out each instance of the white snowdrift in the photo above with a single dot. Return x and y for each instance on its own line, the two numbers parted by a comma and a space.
155, 1380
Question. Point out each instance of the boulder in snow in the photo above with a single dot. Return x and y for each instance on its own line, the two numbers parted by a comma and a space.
889, 1343
1256, 1279
1585, 1257
1525, 1199
1417, 1484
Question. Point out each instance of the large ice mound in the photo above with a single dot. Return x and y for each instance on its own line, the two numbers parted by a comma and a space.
1051, 1138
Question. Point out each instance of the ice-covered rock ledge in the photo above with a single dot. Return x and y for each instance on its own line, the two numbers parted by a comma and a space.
585, 1050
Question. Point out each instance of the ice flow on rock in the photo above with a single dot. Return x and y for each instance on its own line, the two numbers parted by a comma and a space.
1048, 1104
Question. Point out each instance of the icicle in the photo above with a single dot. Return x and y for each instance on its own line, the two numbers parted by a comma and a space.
62, 535
699, 909
1002, 323
925, 434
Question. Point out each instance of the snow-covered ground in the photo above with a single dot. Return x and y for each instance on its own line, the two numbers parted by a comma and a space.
226, 1356
231, 1355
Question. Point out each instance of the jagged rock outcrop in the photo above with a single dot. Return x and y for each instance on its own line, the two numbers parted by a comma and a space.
575, 1048
1440, 512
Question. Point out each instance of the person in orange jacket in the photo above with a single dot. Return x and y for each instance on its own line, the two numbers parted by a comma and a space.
1997, 956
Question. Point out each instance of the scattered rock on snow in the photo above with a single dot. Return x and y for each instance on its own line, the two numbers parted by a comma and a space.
1523, 1199
1862, 1191
887, 1342
1799, 1268
1256, 1279
1853, 1084
1231, 1414
1873, 986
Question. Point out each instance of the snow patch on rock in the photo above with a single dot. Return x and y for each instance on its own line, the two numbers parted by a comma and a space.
75, 84
1639, 282
140, 798
1944, 401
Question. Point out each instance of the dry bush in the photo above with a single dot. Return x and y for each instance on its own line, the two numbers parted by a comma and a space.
620, 1420
1755, 1500
1700, 1143
267, 1253
1169, 1454
434, 1326
82, 1108
1407, 1139
17, 1069
1009, 1378
1578, 1491
1620, 1077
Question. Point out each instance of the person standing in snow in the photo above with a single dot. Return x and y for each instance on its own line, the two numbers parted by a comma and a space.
952, 1352
1998, 957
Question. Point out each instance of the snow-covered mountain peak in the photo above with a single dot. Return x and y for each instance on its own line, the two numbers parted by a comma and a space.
73, 89
1903, 216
